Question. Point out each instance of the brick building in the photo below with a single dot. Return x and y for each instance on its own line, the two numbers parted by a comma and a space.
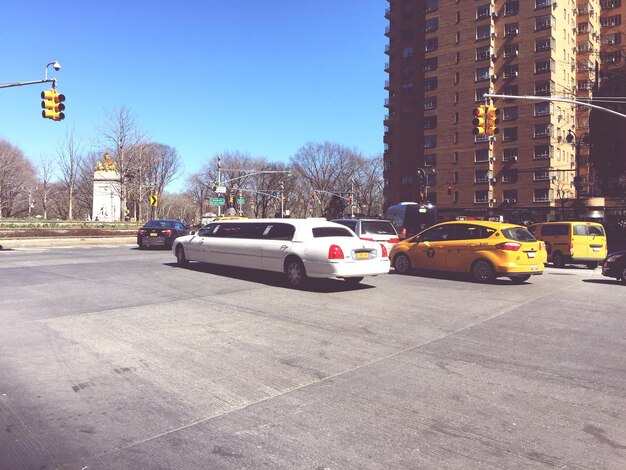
443, 55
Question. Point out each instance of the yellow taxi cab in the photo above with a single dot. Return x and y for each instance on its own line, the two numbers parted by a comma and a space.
571, 242
485, 250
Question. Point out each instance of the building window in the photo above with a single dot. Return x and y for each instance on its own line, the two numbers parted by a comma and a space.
511, 90
483, 53
431, 179
483, 12
430, 141
544, 66
541, 195
511, 29
483, 31
455, 118
612, 57
431, 25
456, 97
481, 155
430, 122
457, 57
509, 176
542, 130
430, 63
407, 89
511, 8
482, 74
542, 152
431, 5
406, 180
387, 165
455, 177
511, 71
543, 22
457, 78
509, 113
430, 83
509, 155
509, 134
430, 159
430, 102
455, 157
455, 138
481, 176
615, 20
407, 52
457, 19
509, 196
610, 3
457, 37
541, 175
544, 44
542, 3
480, 94
544, 88
511, 50
481, 197
543, 109
431, 44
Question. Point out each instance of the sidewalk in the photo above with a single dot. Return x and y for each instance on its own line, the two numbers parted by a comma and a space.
16, 243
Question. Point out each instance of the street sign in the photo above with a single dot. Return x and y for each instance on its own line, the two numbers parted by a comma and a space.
217, 201
241, 201
154, 200
220, 190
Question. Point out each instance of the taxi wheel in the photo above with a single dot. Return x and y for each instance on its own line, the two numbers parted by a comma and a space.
181, 259
558, 260
402, 264
520, 279
296, 274
483, 271
592, 264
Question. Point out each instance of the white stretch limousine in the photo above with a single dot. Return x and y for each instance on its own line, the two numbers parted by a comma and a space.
300, 248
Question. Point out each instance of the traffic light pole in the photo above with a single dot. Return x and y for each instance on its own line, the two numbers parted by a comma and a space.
551, 98
56, 66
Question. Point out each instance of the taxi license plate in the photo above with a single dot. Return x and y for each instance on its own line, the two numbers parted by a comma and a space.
534, 268
531, 254
154, 234
363, 255
596, 249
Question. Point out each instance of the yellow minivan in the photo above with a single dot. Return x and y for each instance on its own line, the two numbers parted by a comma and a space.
571, 242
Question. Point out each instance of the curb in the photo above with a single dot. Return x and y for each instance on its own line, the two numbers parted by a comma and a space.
16, 243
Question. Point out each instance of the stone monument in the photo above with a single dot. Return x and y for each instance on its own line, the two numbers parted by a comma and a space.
106, 191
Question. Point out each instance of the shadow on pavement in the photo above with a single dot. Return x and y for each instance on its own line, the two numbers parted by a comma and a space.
274, 279
462, 277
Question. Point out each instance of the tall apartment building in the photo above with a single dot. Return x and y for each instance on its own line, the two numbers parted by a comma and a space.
444, 55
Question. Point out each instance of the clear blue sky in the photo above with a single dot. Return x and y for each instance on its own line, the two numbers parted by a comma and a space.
257, 76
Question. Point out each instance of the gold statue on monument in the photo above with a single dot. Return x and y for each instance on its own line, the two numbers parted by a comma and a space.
108, 165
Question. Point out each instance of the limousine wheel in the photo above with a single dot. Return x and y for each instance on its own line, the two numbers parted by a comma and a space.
181, 259
483, 271
296, 275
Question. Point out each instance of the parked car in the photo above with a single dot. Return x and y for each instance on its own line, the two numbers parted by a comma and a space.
160, 233
571, 242
615, 266
376, 230
299, 248
485, 250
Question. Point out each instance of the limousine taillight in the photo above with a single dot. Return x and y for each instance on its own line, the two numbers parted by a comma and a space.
384, 251
335, 252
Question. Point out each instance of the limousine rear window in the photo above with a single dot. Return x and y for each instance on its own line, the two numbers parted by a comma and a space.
319, 232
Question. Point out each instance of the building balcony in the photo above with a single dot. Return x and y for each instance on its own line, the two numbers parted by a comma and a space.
388, 31
387, 13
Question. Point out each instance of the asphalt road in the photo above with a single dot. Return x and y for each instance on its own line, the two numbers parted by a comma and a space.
114, 358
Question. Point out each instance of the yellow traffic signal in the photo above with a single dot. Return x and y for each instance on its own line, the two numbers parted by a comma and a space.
492, 120
52, 105
479, 121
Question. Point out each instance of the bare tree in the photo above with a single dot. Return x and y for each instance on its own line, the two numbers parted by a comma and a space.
70, 160
16, 176
161, 165
45, 169
121, 137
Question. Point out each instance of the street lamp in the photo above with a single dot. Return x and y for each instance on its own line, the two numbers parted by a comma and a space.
55, 65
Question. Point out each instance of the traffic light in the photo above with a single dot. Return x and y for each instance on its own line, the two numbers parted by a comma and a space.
52, 105
492, 120
479, 120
